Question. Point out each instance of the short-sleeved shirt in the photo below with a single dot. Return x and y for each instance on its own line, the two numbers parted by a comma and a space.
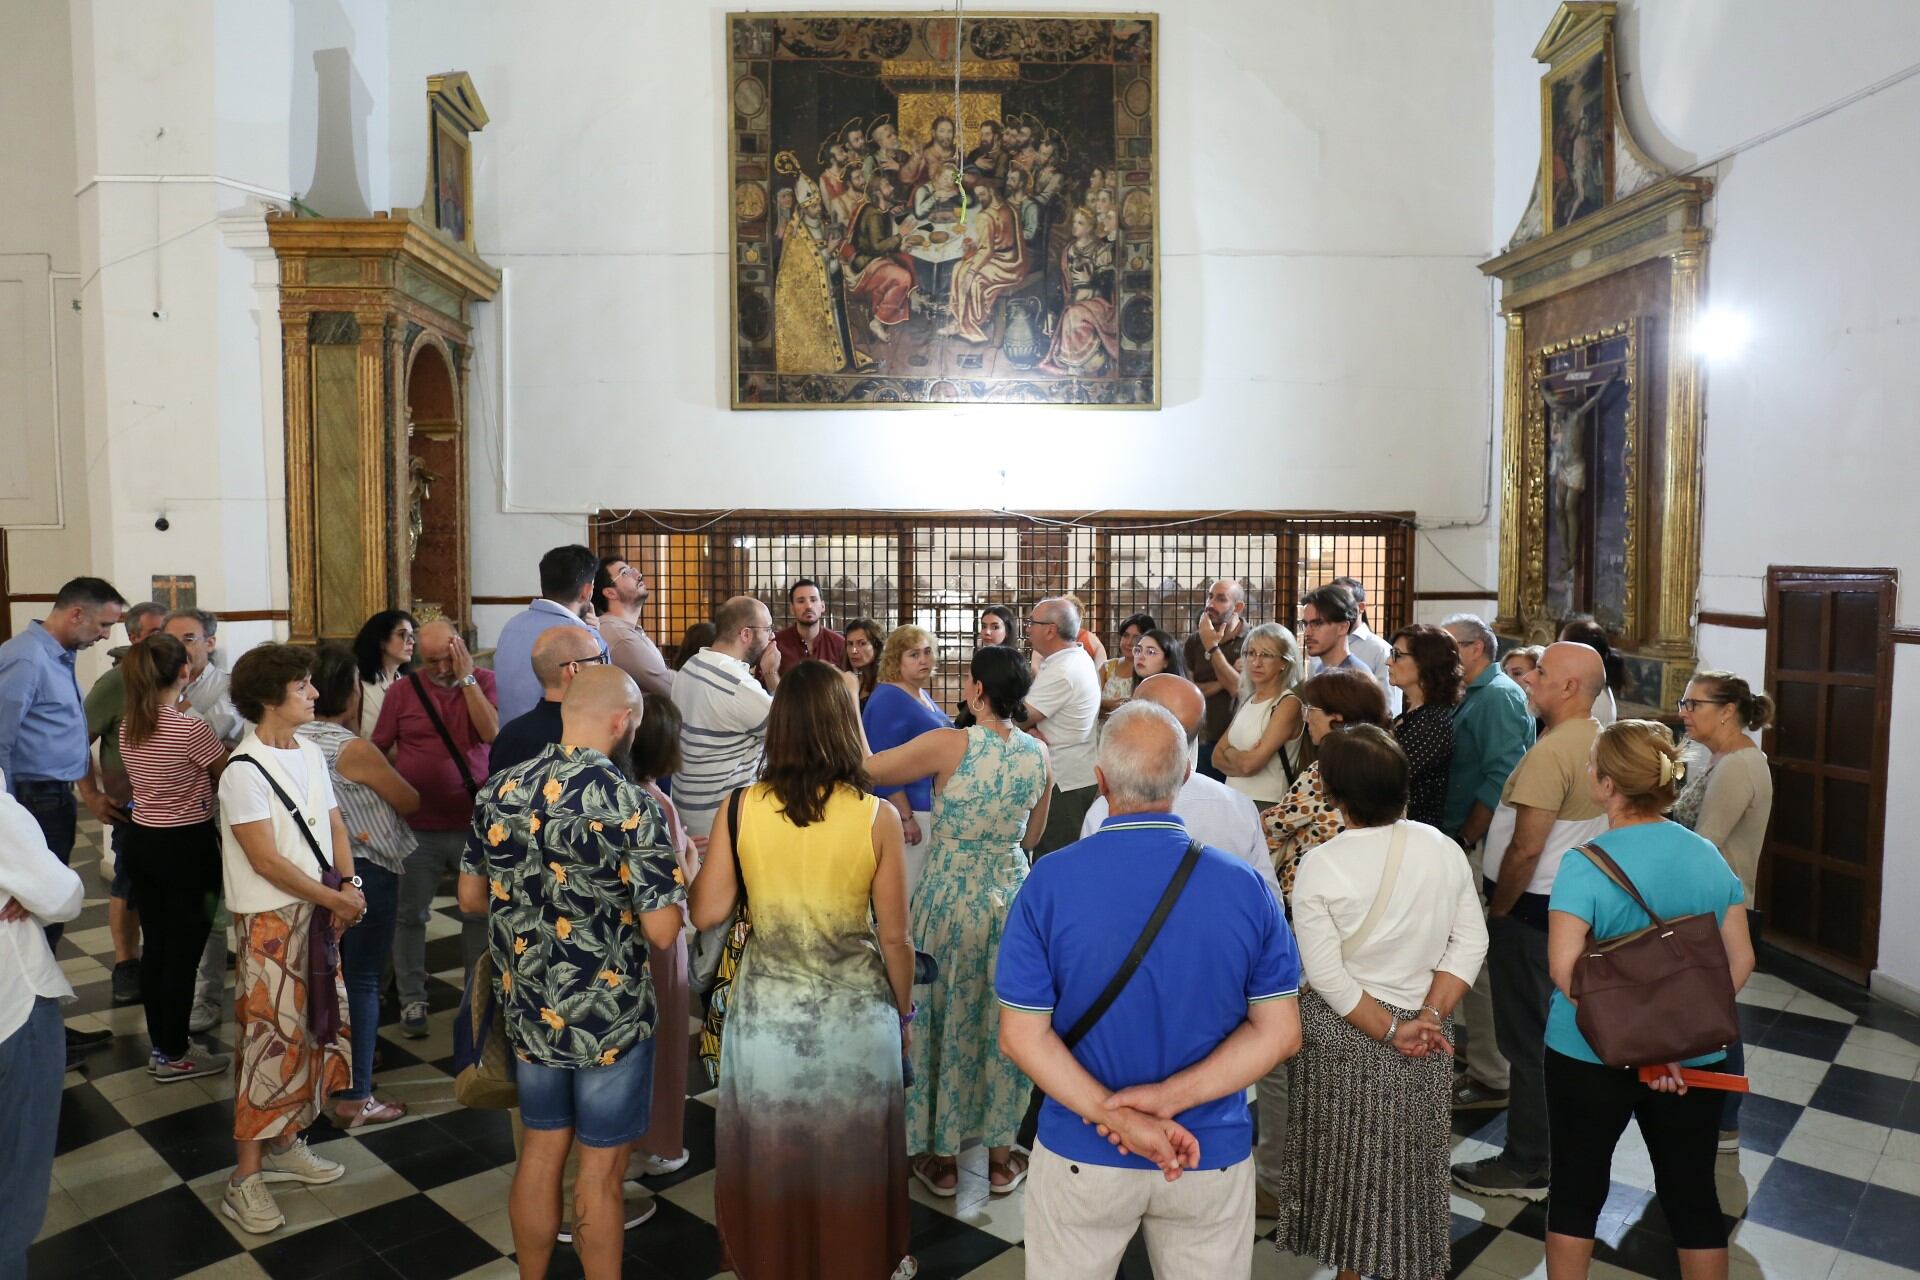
829, 646
171, 785
1551, 776
378, 834
106, 703
1067, 693
723, 729
1676, 871
1492, 729
574, 854
1220, 703
519, 688
422, 757
631, 649
894, 717
1223, 946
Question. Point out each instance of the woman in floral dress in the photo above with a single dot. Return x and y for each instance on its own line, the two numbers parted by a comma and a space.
992, 785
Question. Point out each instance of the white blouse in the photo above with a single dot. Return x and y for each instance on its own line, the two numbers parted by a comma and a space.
1433, 921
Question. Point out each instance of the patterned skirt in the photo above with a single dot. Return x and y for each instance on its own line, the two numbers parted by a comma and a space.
1366, 1184
282, 1078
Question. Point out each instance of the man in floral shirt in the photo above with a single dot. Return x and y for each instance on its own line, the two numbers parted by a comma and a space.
572, 864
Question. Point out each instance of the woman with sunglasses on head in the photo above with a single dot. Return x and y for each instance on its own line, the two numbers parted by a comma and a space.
383, 651
1425, 667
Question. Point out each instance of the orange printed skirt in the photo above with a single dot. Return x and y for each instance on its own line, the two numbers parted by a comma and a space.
282, 1078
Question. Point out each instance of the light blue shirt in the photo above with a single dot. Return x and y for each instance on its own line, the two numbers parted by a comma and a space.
1491, 731
43, 722
517, 686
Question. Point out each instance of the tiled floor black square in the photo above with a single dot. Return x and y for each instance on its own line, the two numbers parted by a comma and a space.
85, 1117
194, 1142
1809, 1037
1810, 1203
425, 1156
1765, 1122
949, 1248
392, 1224
676, 1244
317, 1251
1861, 1095
81, 1253
1887, 1227
440, 1255
164, 1235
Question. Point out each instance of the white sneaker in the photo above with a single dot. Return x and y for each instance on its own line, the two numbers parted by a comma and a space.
298, 1164
194, 1062
645, 1165
251, 1205
1730, 1142
204, 1018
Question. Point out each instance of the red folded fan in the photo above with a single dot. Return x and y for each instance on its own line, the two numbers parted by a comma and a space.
1697, 1079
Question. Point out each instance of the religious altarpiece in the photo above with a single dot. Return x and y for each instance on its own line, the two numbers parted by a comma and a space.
930, 208
376, 343
1600, 285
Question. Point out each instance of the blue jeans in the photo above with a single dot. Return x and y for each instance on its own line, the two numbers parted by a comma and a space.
604, 1106
363, 959
32, 1063
54, 808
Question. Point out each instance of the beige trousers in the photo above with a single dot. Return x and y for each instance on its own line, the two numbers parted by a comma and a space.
1270, 1152
1080, 1218
1475, 1013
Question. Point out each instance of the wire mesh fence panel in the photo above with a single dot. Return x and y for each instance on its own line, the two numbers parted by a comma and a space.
939, 571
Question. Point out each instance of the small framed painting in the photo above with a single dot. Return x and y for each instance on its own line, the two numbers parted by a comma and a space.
1576, 116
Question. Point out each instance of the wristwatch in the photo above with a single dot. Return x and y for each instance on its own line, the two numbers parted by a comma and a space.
466, 682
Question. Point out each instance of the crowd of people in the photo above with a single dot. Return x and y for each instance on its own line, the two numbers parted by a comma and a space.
1073, 919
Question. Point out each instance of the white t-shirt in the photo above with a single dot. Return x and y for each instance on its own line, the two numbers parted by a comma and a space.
1067, 693
1269, 786
1215, 816
246, 797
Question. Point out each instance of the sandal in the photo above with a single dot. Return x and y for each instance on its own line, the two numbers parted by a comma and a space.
1014, 1174
369, 1111
928, 1169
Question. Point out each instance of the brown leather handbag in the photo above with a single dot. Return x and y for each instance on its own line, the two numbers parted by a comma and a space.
1659, 994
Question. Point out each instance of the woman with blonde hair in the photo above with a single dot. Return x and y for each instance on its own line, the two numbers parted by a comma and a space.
898, 711
1634, 773
1727, 799
1260, 754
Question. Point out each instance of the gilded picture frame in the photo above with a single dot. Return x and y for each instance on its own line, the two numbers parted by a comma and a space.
998, 244
1577, 111
450, 191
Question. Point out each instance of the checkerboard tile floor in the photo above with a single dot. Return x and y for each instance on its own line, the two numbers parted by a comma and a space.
1826, 1187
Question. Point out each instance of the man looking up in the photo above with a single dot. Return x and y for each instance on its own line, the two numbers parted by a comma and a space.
435, 726
566, 599
723, 694
559, 655
1546, 808
1063, 709
105, 705
1213, 656
1218, 987
619, 593
1492, 729
808, 636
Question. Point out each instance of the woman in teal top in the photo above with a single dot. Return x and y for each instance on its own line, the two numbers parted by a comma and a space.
1635, 772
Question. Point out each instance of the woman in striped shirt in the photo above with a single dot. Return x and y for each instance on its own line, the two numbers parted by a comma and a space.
172, 847
373, 798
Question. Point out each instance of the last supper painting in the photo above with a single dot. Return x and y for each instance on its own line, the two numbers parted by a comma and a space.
931, 209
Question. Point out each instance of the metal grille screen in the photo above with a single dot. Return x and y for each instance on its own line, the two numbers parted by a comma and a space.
940, 570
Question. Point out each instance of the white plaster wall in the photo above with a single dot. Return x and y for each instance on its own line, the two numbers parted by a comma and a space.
340, 108
1810, 447
1325, 200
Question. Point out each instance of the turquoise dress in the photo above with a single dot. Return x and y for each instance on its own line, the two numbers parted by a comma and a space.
964, 1087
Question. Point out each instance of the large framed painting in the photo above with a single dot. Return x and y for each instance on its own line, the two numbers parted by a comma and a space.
927, 209
1576, 113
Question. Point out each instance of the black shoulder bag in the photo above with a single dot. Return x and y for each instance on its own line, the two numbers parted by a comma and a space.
1131, 964
440, 727
323, 949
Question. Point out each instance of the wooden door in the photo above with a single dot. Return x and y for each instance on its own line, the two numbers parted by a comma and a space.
1830, 668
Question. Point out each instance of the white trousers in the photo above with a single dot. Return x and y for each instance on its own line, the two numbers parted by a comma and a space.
915, 854
1080, 1218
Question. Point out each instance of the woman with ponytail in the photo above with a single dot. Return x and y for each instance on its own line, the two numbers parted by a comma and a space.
172, 847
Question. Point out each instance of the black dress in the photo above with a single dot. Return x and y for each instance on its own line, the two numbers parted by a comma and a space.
1426, 735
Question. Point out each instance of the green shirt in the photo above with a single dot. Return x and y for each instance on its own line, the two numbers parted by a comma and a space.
106, 704
574, 855
1492, 729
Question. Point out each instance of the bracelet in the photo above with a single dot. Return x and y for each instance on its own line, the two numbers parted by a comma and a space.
1427, 1008
1211, 652
906, 1019
1393, 1026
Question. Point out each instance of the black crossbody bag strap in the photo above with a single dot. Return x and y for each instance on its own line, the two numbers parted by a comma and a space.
733, 831
292, 809
1175, 887
440, 727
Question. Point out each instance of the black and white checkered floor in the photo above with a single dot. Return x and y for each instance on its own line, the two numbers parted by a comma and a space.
1827, 1183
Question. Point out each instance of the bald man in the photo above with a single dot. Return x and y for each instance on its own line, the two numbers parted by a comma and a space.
565, 891
435, 726
1215, 813
1546, 808
559, 654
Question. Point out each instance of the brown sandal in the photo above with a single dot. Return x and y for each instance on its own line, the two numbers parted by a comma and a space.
370, 1110
1014, 1176
928, 1167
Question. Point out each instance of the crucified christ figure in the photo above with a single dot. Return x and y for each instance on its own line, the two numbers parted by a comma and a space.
1567, 412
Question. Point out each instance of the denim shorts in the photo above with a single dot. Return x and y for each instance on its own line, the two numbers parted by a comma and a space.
122, 886
604, 1106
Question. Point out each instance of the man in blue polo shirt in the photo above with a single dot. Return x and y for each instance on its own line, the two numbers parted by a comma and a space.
566, 600
1210, 1010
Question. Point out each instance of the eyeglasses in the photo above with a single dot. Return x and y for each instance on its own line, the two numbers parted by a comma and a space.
1041, 622
1398, 654
597, 660
1309, 624
1694, 704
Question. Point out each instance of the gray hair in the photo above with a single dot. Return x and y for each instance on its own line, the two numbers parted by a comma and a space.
1063, 615
1476, 628
145, 609
1143, 768
1234, 585
1289, 646
208, 623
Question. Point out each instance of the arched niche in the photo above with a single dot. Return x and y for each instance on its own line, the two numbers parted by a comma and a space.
432, 545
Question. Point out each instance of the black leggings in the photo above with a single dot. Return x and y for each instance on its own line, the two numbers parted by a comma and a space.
1588, 1106
176, 879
